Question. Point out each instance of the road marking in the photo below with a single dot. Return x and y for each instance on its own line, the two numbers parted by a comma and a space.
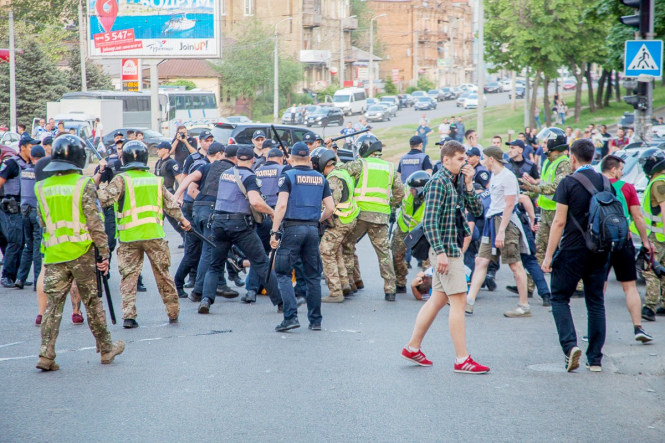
12, 344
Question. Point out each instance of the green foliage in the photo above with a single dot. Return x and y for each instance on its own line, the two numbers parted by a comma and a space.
330, 90
389, 86
410, 89
38, 80
94, 76
188, 84
425, 84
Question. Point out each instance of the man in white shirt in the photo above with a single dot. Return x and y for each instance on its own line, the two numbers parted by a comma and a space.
444, 129
503, 235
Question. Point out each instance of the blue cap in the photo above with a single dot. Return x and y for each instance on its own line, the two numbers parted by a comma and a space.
519, 143
318, 137
257, 134
300, 149
215, 147
118, 134
231, 151
205, 134
48, 140
245, 153
268, 143
28, 141
275, 152
37, 151
415, 140
164, 145
310, 137
473, 151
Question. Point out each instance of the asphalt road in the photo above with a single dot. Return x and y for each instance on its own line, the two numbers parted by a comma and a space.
228, 376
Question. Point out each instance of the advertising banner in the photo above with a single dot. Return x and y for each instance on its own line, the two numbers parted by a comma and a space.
131, 74
153, 29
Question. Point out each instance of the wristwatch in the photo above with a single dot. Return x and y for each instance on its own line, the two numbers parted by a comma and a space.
274, 232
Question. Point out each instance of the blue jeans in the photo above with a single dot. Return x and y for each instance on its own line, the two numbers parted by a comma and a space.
226, 233
568, 267
32, 254
300, 243
562, 116
190, 259
12, 227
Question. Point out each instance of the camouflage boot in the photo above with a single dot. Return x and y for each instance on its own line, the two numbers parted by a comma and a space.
116, 349
46, 364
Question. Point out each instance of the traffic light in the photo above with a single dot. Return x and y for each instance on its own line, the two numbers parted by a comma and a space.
641, 19
639, 101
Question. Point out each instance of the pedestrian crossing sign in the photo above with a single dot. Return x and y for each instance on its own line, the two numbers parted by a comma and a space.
643, 57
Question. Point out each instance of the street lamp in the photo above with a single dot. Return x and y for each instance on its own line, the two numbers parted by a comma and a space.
275, 108
371, 53
341, 49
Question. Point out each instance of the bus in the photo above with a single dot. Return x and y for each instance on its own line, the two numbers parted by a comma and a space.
176, 107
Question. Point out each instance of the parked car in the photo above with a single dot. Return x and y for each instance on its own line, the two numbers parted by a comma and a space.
150, 138
468, 87
6, 152
10, 139
435, 95
234, 133
325, 116
519, 92
377, 113
461, 99
239, 119
372, 101
569, 84
493, 87
627, 120
507, 85
195, 130
471, 101
82, 129
424, 103
392, 103
448, 93
293, 118
417, 94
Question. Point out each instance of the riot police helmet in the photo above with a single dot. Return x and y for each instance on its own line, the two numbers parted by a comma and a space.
321, 157
67, 154
367, 144
134, 156
554, 137
417, 181
652, 161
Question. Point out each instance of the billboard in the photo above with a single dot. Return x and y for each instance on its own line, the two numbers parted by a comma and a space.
131, 74
153, 29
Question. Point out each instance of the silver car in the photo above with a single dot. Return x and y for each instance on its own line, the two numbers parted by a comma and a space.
377, 113
391, 102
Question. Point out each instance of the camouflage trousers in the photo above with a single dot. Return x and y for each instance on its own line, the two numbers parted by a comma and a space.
58, 279
399, 254
332, 257
130, 264
378, 235
654, 292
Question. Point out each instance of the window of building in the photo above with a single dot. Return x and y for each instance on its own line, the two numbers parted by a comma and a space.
249, 7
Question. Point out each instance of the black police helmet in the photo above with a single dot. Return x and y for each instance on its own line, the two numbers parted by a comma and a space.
367, 144
556, 139
68, 154
320, 158
652, 161
418, 180
134, 155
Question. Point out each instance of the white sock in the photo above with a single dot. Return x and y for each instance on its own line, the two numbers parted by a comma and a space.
412, 349
526, 306
461, 360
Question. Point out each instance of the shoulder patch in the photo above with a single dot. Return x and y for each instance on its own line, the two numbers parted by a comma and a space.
484, 175
280, 182
661, 189
258, 182
176, 167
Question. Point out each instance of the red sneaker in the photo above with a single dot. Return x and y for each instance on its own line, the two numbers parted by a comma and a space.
470, 367
416, 357
38, 320
77, 319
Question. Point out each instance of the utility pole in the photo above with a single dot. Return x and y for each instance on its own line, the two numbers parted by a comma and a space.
154, 96
275, 104
527, 108
452, 54
481, 68
371, 54
512, 86
82, 49
12, 74
341, 45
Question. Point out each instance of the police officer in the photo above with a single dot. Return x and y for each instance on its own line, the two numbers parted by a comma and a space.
258, 140
414, 160
205, 140
517, 163
301, 192
239, 190
11, 220
169, 170
116, 137
142, 200
409, 216
310, 141
70, 214
378, 190
653, 209
339, 226
437, 164
32, 254
482, 175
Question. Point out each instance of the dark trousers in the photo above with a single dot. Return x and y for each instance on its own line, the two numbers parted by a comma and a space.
109, 227
530, 262
32, 254
253, 282
300, 243
226, 233
190, 259
12, 227
201, 218
568, 267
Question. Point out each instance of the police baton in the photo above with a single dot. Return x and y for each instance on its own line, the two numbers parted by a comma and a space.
200, 236
94, 151
279, 140
103, 280
334, 139
273, 253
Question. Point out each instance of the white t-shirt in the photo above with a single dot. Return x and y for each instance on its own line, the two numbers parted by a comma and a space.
502, 184
99, 129
444, 129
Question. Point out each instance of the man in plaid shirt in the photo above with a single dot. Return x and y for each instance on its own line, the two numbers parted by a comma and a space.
447, 195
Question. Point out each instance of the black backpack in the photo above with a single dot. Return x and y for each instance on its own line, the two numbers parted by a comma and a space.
608, 227
417, 242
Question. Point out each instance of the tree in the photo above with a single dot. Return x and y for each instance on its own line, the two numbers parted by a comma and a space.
38, 80
188, 84
424, 84
389, 86
95, 78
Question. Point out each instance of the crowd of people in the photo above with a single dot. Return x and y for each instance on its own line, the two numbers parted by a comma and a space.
296, 215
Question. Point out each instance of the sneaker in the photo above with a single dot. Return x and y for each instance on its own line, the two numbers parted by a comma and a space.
19, 284
594, 368
490, 283
314, 327
416, 357
519, 311
469, 309
514, 290
300, 301
195, 296
190, 284
226, 292
573, 359
77, 319
287, 325
641, 335
547, 302
182, 293
204, 306
238, 282
470, 367
7, 282
249, 297
116, 349
585, 338
38, 320
648, 314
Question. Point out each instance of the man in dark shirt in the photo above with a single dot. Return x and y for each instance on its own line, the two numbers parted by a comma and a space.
518, 163
259, 141
481, 174
205, 140
169, 170
574, 261
182, 145
414, 160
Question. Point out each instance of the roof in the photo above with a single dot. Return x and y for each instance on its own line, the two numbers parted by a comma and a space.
183, 68
362, 56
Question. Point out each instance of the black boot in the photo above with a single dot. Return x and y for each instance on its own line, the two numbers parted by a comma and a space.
130, 323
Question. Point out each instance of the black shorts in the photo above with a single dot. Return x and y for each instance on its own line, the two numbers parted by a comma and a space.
623, 262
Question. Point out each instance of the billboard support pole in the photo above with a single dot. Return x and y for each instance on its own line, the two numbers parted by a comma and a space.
12, 74
82, 46
154, 96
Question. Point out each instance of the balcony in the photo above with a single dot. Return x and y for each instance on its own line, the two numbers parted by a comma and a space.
351, 24
311, 13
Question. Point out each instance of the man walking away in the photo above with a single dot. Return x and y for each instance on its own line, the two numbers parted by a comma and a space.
574, 261
446, 196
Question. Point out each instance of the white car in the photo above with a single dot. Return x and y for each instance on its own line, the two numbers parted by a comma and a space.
659, 131
472, 101
468, 87
418, 94
507, 85
461, 99
10, 139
